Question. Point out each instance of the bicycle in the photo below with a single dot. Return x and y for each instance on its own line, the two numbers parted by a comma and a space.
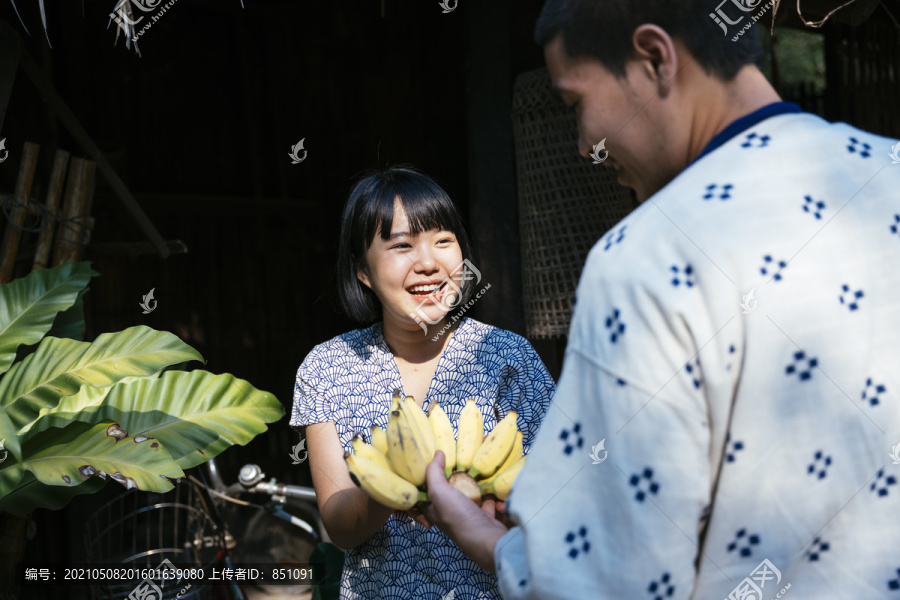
264, 538
203, 524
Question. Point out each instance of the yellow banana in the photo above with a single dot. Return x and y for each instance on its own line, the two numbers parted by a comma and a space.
406, 457
381, 484
395, 400
470, 433
360, 448
496, 447
517, 452
444, 439
500, 485
416, 452
514, 456
379, 439
418, 423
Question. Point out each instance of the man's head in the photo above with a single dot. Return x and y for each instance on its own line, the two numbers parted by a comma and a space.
602, 30
656, 79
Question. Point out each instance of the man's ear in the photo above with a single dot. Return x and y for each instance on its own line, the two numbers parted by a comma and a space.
655, 49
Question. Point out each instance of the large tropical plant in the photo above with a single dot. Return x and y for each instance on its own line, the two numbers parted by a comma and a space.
73, 413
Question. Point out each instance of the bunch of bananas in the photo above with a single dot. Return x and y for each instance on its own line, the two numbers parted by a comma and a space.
391, 469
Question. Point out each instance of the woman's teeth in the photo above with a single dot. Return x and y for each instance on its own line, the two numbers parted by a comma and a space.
425, 290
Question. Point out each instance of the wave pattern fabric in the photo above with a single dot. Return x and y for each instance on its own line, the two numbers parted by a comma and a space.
349, 380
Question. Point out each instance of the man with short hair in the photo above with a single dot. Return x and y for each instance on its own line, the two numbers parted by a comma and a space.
735, 341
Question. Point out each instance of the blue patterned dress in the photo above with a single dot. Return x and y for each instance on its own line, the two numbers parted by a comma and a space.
349, 380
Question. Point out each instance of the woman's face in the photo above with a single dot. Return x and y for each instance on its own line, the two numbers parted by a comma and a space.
409, 273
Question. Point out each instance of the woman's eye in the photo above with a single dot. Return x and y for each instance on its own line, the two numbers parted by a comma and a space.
401, 246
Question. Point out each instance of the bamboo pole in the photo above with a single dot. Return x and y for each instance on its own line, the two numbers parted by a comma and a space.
54, 195
71, 229
72, 183
62, 111
17, 212
70, 226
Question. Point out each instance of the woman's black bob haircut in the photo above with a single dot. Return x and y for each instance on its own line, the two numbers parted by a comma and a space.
370, 211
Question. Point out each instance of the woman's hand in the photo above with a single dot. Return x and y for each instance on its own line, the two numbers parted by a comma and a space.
475, 530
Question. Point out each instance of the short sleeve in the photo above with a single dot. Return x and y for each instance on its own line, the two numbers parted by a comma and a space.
526, 387
310, 400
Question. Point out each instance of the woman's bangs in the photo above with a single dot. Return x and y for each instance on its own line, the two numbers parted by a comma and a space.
428, 215
427, 208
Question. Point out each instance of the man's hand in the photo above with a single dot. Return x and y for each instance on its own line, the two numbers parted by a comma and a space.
475, 530
418, 516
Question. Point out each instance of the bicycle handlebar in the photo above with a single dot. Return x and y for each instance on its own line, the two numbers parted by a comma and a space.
251, 479
273, 488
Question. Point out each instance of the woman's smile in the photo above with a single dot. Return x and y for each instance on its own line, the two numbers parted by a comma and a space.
427, 289
434, 293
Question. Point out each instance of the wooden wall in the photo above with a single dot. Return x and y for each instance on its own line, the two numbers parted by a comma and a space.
200, 128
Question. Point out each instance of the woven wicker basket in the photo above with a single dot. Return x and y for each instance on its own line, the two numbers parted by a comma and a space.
566, 203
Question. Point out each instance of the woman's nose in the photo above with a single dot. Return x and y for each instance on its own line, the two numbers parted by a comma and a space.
425, 260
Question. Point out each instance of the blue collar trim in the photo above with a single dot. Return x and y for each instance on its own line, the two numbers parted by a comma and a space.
746, 122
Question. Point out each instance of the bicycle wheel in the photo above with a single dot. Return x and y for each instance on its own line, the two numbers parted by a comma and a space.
141, 530
269, 540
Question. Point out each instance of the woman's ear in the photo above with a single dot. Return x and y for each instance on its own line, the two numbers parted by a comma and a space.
362, 274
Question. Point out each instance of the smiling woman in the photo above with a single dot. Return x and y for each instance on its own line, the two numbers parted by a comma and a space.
404, 208
403, 264
406, 267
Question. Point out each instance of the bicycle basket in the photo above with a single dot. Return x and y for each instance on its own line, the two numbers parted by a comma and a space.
140, 529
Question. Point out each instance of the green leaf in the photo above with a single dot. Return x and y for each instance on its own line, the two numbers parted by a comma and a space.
195, 415
7, 432
9, 438
29, 493
136, 461
59, 367
29, 305
70, 323
21, 492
